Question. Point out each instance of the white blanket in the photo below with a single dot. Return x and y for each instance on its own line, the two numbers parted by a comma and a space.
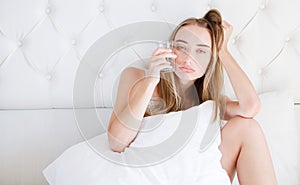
175, 148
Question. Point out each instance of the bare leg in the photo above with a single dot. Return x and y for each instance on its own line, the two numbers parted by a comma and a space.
245, 150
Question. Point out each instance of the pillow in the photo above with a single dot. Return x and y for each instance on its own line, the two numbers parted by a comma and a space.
145, 159
277, 120
164, 135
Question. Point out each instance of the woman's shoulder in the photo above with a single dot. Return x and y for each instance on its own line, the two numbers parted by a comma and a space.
137, 67
133, 72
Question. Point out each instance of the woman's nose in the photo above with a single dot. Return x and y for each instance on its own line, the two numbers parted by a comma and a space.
185, 55
187, 61
187, 58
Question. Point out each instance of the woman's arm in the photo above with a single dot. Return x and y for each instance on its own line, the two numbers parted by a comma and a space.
134, 93
248, 104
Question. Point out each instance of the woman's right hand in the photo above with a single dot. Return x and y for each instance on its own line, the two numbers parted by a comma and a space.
158, 62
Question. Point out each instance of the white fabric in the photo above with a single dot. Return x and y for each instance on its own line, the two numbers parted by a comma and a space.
81, 165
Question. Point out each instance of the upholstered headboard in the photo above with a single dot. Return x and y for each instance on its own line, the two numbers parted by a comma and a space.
44, 44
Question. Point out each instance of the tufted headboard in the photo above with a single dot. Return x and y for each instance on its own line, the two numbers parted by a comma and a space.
43, 45
43, 42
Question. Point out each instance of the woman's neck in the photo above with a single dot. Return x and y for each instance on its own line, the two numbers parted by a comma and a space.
190, 95
186, 85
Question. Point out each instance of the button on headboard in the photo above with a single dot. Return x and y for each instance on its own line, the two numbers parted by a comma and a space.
43, 42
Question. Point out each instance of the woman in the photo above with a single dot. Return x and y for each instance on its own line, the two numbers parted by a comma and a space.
200, 54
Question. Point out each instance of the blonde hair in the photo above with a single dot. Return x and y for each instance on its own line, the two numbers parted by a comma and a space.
210, 85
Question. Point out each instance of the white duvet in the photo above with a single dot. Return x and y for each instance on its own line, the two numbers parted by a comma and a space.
175, 148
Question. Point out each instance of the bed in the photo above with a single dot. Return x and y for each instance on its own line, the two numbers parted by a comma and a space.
44, 116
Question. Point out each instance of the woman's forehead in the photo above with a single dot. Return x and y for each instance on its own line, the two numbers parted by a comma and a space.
193, 35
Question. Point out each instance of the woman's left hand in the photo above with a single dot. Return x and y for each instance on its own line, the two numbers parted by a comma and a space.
227, 28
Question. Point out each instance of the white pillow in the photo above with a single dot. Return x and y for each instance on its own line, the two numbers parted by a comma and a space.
158, 128
277, 119
80, 164
162, 136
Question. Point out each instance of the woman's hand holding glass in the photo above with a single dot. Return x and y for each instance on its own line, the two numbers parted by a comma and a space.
159, 62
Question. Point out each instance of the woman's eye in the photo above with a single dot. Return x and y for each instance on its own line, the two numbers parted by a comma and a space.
201, 51
182, 48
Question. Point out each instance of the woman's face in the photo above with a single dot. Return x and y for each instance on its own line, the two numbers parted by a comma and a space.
192, 45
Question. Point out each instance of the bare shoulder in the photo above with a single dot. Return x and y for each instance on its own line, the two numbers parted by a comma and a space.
129, 77
132, 72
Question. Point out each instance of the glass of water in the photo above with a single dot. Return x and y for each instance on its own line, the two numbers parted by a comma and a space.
169, 45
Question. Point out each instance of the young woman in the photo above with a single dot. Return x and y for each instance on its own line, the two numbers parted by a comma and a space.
200, 54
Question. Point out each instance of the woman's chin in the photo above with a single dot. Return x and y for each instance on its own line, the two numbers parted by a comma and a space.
183, 76
187, 76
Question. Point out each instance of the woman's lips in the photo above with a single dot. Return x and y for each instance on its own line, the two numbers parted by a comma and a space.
187, 69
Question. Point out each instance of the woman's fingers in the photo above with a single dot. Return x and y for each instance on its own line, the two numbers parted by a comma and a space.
159, 51
158, 61
154, 68
226, 24
227, 32
164, 55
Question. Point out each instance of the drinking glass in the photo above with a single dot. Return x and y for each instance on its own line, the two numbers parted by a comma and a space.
169, 45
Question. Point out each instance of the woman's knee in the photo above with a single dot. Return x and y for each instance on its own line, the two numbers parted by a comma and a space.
237, 133
244, 127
